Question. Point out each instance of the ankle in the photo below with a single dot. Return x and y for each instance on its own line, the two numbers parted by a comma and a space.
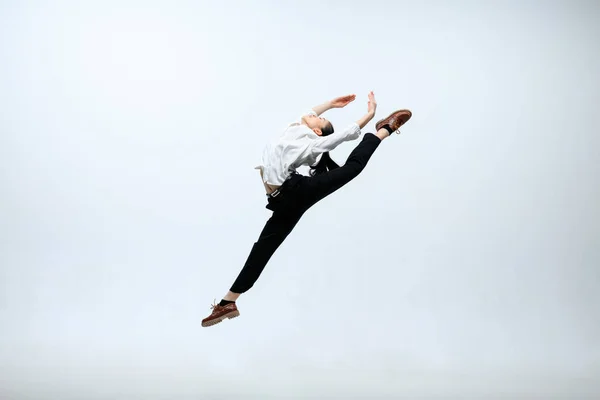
383, 133
230, 296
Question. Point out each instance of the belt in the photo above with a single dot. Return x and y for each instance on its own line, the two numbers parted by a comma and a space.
274, 194
277, 191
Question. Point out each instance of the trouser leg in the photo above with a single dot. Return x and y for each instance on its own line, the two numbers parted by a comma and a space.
320, 186
277, 228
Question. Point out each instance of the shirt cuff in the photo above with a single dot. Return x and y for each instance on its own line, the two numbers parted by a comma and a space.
353, 131
299, 120
309, 112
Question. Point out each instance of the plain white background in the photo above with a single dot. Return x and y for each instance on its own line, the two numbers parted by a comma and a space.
463, 262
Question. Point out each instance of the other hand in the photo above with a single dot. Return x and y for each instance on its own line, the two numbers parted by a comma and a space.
372, 105
343, 101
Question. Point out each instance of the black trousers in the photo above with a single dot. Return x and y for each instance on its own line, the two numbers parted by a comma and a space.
296, 196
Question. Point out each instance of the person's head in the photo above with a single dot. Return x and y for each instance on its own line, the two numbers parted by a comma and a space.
319, 125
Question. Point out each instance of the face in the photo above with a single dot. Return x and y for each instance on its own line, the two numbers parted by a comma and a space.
315, 123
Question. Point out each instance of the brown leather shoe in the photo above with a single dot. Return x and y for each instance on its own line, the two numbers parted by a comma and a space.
394, 121
220, 313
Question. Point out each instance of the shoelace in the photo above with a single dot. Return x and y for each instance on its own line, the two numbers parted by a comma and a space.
214, 305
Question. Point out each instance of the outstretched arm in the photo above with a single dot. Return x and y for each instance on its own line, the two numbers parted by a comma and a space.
328, 143
321, 108
338, 102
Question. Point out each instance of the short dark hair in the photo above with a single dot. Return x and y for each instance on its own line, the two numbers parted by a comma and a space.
327, 129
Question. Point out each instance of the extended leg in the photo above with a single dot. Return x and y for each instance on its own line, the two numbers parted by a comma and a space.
320, 186
277, 228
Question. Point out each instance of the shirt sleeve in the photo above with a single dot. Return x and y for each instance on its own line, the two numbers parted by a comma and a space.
328, 143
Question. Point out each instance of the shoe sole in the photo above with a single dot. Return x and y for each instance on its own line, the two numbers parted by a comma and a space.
230, 315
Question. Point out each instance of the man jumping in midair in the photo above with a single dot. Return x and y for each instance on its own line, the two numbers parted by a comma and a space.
290, 194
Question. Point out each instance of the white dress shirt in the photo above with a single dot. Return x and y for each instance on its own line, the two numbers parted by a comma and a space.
298, 146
